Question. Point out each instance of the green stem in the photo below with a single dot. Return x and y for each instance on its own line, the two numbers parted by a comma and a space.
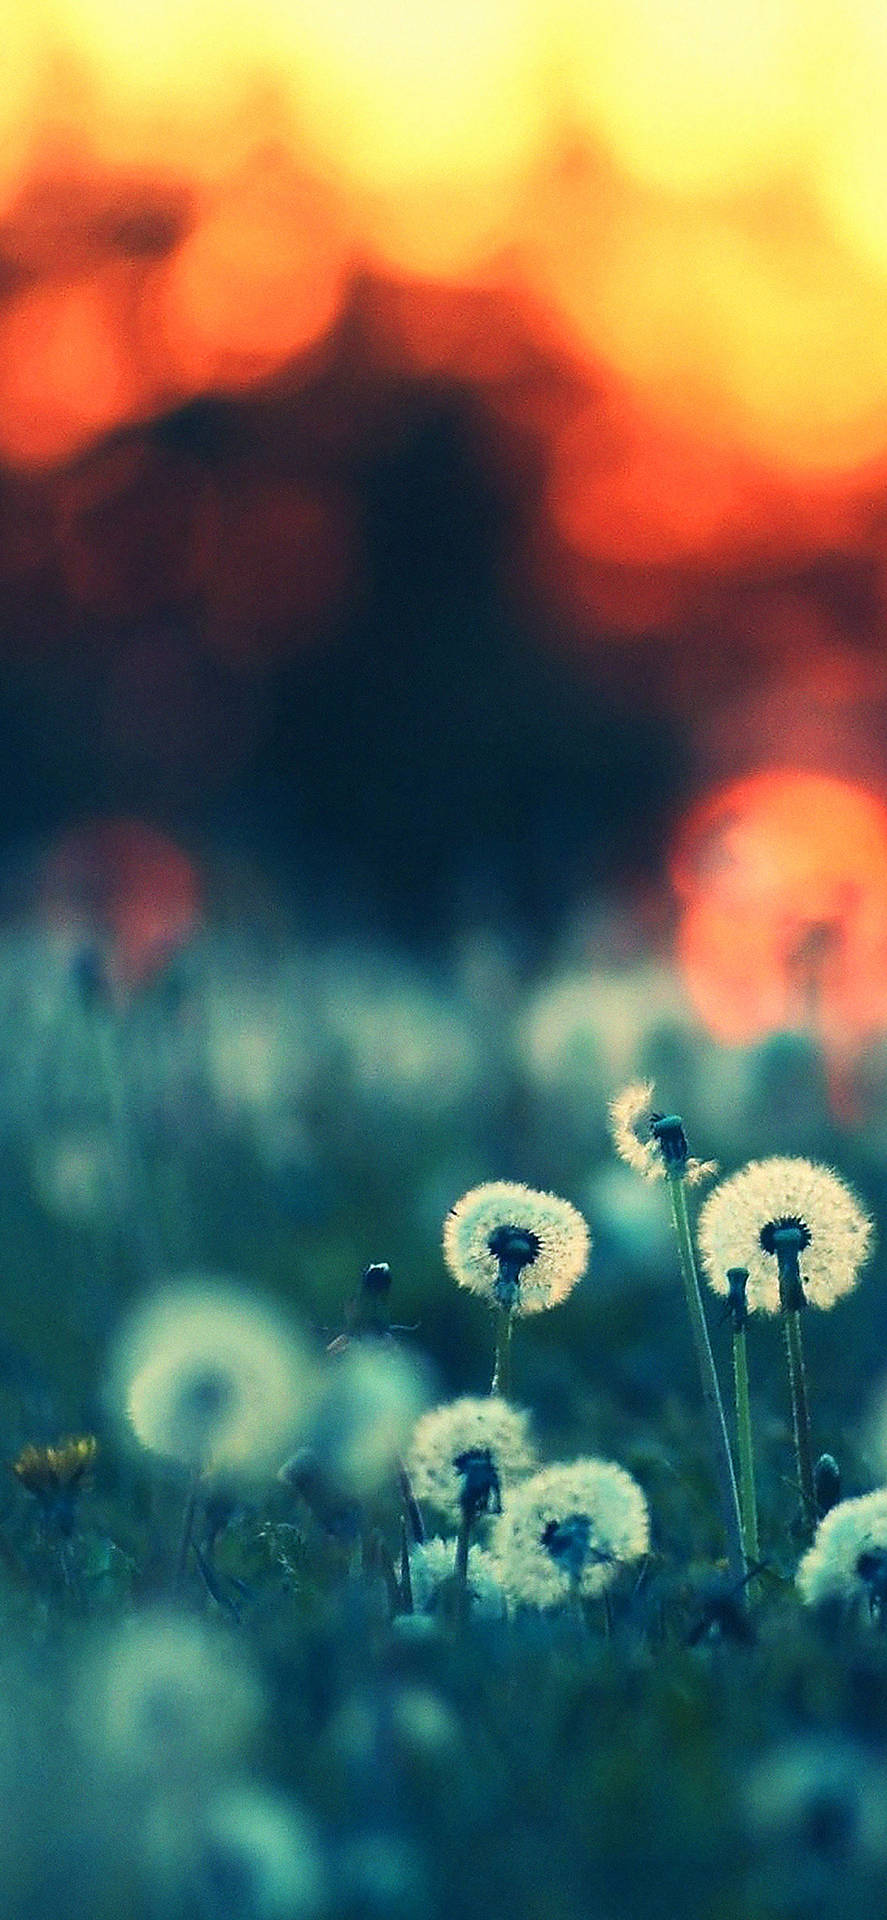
501, 1381
460, 1570
791, 1320
187, 1530
747, 1498
711, 1393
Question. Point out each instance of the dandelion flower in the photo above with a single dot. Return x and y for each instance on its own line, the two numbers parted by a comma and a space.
632, 1119
739, 1219
50, 1471
848, 1558
569, 1529
469, 1443
167, 1691
518, 1248
257, 1855
373, 1395
431, 1573
209, 1376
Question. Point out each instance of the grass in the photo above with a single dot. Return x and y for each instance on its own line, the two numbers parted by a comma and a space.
670, 1755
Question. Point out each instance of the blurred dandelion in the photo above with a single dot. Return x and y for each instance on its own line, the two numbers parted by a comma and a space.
567, 1531
814, 1811
520, 1249
369, 1405
848, 1558
209, 1376
165, 1693
56, 1475
257, 1855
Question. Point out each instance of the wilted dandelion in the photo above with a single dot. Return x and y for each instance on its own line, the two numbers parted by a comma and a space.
471, 1450
521, 1250
165, 1692
633, 1121
210, 1376
568, 1530
848, 1558
656, 1146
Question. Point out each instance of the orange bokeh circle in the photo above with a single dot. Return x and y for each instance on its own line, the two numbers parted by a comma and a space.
782, 884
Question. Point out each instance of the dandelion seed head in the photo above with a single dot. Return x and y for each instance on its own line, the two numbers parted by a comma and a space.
451, 1433
823, 1797
632, 1114
167, 1692
572, 1523
248, 1851
431, 1569
257, 1855
739, 1218
372, 1398
850, 1531
546, 1237
210, 1376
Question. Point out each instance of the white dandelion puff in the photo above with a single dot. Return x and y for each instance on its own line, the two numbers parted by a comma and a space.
632, 1115
570, 1527
210, 1376
373, 1396
450, 1444
245, 1850
167, 1691
848, 1558
515, 1246
431, 1572
738, 1221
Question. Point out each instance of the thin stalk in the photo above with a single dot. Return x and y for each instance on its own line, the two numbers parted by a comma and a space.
711, 1393
501, 1381
748, 1504
794, 1349
460, 1568
187, 1529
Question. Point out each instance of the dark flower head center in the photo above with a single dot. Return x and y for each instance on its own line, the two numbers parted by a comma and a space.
514, 1248
667, 1129
480, 1491
207, 1396
570, 1542
786, 1232
787, 1238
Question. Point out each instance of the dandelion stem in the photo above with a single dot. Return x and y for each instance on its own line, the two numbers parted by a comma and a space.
747, 1498
460, 1567
187, 1529
711, 1393
501, 1381
800, 1413
787, 1244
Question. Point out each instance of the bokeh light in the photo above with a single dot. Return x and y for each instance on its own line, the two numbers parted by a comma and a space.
782, 885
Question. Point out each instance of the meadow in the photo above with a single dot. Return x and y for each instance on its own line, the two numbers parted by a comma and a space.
236, 1683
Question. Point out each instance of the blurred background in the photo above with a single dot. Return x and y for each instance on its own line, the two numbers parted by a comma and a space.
443, 525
